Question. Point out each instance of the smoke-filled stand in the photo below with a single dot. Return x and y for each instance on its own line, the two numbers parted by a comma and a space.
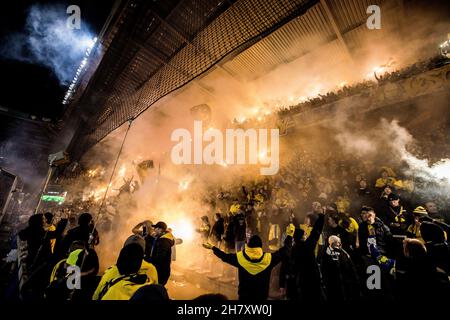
223, 150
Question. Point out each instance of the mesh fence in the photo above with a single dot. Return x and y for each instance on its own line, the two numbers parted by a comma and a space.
159, 48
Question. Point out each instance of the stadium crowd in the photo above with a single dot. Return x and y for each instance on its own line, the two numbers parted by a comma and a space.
310, 233
364, 87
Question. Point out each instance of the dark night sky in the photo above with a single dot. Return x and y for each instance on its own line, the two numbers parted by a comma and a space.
34, 88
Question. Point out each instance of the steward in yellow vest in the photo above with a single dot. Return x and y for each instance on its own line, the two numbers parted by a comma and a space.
129, 274
80, 258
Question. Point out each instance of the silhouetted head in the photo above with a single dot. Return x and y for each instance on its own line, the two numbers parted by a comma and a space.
130, 259
254, 242
135, 238
84, 219
431, 232
48, 216
414, 249
36, 221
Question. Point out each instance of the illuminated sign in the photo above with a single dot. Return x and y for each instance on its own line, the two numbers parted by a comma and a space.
49, 198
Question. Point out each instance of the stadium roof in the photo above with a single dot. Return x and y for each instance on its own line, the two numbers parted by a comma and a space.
149, 50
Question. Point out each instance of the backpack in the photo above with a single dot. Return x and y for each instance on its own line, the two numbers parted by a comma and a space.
57, 289
135, 278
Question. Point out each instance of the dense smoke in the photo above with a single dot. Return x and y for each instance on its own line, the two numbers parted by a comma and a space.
46, 40
13, 155
394, 139
176, 193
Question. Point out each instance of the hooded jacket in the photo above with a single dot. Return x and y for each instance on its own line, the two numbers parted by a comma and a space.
218, 229
382, 236
39, 240
87, 260
421, 276
159, 253
125, 289
339, 275
254, 270
396, 218
240, 226
79, 233
230, 235
301, 273
437, 247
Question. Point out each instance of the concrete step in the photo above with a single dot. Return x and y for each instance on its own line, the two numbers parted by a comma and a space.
177, 276
210, 281
214, 276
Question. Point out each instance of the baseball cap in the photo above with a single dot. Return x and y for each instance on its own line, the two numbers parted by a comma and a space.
161, 225
393, 197
135, 239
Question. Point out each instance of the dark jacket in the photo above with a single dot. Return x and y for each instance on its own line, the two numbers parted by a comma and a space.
158, 251
230, 235
421, 277
396, 218
339, 276
363, 197
58, 291
439, 254
250, 219
218, 229
79, 233
383, 237
39, 258
240, 227
263, 230
301, 275
437, 246
38, 242
252, 287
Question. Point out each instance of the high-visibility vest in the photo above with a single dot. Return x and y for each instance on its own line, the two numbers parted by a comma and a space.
112, 273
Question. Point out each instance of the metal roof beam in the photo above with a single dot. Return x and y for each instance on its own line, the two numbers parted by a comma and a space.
336, 29
187, 41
